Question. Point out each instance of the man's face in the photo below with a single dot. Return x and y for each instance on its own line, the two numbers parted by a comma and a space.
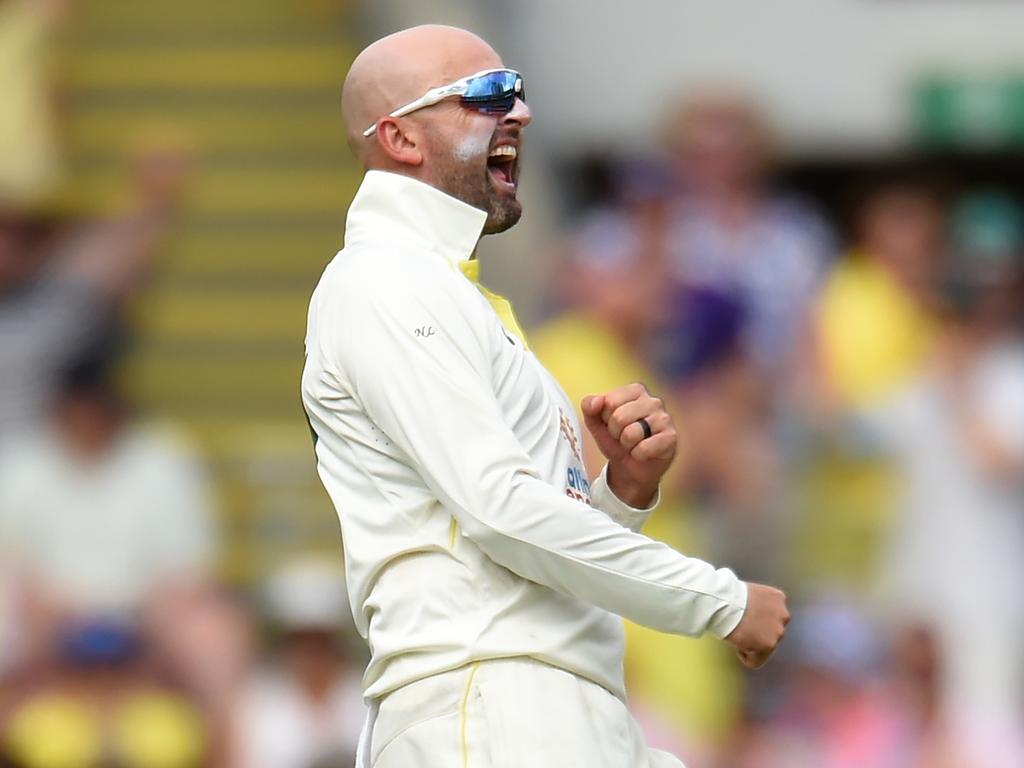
476, 158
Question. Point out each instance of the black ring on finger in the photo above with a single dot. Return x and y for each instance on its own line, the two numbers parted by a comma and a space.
646, 427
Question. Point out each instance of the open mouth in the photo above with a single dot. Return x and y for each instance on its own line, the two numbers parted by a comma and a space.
501, 164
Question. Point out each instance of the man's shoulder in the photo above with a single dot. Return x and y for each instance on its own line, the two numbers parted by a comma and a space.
383, 272
393, 281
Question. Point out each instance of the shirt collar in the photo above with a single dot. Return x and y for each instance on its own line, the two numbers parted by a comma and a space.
389, 206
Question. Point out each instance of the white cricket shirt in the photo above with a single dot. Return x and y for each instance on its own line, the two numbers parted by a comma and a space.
453, 458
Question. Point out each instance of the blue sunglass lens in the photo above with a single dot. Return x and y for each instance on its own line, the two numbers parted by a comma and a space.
495, 92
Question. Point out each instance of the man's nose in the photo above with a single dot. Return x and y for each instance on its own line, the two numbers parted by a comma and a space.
520, 114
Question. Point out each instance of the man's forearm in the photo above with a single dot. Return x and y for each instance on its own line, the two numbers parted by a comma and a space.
555, 541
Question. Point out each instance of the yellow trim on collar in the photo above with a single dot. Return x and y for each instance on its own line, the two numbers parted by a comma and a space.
502, 306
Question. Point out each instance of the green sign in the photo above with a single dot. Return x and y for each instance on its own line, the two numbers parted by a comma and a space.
982, 112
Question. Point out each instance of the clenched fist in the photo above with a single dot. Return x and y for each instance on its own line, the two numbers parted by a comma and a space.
637, 456
763, 624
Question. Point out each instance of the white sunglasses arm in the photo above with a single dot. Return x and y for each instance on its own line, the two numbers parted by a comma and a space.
428, 99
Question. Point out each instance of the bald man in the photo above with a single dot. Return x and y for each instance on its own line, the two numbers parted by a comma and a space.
486, 571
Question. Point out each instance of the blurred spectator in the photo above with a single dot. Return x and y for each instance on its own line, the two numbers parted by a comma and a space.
12, 611
875, 327
98, 509
60, 285
614, 283
202, 637
955, 559
917, 666
307, 710
28, 142
835, 711
748, 260
102, 705
735, 470
874, 316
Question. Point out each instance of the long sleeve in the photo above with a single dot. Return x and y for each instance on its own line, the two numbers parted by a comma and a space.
419, 363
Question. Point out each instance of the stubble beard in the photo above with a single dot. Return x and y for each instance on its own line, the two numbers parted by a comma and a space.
471, 183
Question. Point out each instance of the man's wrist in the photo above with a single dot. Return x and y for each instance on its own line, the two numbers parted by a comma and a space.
632, 493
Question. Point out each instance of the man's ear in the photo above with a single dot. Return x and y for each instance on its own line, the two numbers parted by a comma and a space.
397, 143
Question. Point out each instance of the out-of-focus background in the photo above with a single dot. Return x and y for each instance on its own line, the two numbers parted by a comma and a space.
800, 222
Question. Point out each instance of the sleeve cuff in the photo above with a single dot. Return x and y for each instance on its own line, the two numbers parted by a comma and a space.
728, 617
602, 497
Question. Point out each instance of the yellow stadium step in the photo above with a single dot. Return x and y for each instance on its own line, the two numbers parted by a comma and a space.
217, 315
253, 190
218, 15
216, 258
245, 387
217, 129
213, 68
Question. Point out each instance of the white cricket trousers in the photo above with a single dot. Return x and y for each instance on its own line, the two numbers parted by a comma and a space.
506, 713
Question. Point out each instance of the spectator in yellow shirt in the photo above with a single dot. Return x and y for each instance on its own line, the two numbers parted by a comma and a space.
873, 317
873, 331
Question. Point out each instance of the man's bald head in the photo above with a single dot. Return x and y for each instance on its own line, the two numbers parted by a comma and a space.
449, 145
401, 67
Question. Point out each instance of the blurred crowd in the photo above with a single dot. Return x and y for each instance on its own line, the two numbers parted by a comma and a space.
119, 646
851, 405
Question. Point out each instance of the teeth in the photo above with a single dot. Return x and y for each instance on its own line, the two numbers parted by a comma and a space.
505, 151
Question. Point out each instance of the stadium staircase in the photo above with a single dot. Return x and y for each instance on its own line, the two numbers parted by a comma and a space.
251, 88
